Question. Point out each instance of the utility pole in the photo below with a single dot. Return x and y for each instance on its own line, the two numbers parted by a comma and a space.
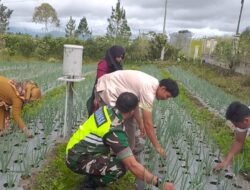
236, 39
164, 30
238, 26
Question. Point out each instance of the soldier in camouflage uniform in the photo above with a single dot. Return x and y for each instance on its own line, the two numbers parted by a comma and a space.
100, 149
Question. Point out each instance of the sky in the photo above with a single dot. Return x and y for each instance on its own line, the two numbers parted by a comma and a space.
201, 17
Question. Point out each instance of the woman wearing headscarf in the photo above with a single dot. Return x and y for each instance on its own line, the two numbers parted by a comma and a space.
15, 95
110, 63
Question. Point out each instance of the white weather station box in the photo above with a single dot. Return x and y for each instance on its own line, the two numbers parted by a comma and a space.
72, 72
72, 63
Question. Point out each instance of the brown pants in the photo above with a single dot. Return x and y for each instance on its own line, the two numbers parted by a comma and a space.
4, 118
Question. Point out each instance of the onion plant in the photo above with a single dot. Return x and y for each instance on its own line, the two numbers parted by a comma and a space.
35, 158
6, 152
225, 185
210, 95
11, 178
207, 163
25, 167
44, 150
197, 179
184, 181
236, 167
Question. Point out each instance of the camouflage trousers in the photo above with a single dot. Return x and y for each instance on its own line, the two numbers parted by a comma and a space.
102, 169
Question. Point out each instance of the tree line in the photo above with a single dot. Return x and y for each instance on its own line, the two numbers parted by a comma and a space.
146, 47
45, 14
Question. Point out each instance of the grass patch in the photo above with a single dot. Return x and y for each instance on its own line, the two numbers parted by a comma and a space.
55, 175
236, 84
246, 82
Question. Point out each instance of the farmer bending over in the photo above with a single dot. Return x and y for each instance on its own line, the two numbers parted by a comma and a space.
239, 115
15, 94
100, 149
148, 89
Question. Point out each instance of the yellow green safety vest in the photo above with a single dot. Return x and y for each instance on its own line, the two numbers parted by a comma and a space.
98, 124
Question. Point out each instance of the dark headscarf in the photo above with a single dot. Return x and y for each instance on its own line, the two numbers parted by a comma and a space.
111, 54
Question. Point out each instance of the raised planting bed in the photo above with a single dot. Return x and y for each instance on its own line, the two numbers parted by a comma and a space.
191, 153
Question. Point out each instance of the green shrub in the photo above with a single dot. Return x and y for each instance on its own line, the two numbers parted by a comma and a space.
42, 50
5, 54
53, 60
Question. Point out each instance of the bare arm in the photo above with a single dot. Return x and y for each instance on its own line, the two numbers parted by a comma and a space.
16, 112
142, 173
235, 149
149, 127
139, 121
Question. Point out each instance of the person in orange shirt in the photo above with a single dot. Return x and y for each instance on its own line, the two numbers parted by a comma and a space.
14, 95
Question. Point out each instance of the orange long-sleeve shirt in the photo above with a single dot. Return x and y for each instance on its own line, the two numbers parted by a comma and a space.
9, 95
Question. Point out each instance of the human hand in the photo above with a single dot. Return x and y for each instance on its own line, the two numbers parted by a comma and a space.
162, 152
27, 132
169, 186
219, 166
142, 131
26, 101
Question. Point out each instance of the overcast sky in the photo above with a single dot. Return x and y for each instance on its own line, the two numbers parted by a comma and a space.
202, 17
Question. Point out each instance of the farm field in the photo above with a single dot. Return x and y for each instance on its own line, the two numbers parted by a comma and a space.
53, 55
192, 147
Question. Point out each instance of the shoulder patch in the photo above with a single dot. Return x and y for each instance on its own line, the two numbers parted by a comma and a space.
100, 117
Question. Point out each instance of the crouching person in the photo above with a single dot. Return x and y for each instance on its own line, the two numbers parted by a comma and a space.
100, 149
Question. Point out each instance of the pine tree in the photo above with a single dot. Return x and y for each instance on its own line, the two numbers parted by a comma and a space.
83, 28
118, 26
70, 28
5, 14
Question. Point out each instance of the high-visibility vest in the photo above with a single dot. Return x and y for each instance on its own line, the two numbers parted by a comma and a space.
96, 126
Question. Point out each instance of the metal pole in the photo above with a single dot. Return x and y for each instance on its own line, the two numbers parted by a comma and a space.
165, 15
164, 30
235, 40
68, 115
241, 8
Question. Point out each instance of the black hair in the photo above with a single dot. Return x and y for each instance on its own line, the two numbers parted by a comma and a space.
237, 112
126, 102
171, 86
111, 54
